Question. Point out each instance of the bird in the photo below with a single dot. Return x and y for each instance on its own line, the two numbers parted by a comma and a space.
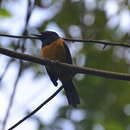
55, 48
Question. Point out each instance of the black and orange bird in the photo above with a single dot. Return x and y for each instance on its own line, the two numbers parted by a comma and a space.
54, 48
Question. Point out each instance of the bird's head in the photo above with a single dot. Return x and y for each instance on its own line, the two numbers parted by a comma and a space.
47, 37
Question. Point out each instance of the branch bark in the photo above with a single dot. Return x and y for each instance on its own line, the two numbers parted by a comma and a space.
37, 109
105, 43
63, 66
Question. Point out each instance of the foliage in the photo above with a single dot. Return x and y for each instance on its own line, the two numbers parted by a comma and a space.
104, 102
4, 13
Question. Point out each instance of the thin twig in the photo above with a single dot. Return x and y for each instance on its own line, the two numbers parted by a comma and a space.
29, 11
14, 36
6, 68
98, 42
11, 99
63, 66
37, 109
73, 40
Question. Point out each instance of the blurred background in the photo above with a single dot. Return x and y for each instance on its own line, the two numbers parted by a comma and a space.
105, 103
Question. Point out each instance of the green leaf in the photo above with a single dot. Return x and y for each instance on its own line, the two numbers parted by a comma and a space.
4, 13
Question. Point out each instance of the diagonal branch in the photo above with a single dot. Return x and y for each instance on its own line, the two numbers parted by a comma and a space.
30, 8
62, 66
11, 99
37, 109
105, 43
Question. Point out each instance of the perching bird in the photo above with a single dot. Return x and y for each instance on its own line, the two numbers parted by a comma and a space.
54, 48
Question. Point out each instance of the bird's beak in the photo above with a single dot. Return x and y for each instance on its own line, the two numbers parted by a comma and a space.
37, 35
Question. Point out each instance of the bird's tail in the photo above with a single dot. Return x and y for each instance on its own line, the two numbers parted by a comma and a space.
71, 93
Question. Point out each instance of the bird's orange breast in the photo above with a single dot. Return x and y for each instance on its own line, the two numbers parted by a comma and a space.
55, 51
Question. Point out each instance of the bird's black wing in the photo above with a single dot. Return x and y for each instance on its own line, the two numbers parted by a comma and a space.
53, 76
68, 55
68, 85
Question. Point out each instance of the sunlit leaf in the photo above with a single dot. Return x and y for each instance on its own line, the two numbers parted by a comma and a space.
4, 13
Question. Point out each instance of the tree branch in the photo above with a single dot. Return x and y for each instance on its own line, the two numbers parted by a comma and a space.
105, 43
11, 100
63, 66
14, 36
37, 109
30, 7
